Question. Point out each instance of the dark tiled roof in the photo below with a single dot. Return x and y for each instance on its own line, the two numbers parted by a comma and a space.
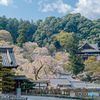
18, 77
94, 46
8, 57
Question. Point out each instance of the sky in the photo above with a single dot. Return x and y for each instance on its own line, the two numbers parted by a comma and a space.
40, 9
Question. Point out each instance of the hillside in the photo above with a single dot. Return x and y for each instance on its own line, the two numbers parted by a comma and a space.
44, 32
85, 29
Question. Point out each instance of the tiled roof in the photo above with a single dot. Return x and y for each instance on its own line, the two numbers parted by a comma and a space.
94, 48
18, 77
59, 81
8, 57
91, 86
90, 51
66, 76
78, 84
41, 81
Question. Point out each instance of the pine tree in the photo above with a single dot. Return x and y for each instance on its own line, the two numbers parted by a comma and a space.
27, 85
76, 62
22, 34
6, 83
1, 74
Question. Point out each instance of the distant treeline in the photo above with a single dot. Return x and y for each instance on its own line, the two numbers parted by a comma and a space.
45, 32
14, 25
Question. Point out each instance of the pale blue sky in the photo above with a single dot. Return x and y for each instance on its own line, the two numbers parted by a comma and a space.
40, 9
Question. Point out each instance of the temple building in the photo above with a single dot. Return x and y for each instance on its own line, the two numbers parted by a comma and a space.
9, 61
89, 50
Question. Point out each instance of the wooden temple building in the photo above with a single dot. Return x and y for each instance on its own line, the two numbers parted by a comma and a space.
89, 50
9, 61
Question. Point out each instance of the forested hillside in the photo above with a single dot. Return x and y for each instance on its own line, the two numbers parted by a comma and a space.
14, 25
48, 38
44, 32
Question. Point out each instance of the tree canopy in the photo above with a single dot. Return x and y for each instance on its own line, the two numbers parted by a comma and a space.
22, 34
92, 65
43, 32
27, 85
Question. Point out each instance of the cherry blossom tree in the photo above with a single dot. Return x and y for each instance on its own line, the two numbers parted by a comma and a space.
45, 66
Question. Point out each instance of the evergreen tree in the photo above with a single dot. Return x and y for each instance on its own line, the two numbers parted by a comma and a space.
6, 83
22, 34
12, 27
76, 62
27, 85
70, 42
1, 74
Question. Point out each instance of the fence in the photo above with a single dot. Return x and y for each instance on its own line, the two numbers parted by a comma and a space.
11, 97
68, 93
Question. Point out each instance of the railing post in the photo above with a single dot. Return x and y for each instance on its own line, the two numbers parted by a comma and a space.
92, 97
61, 94
40, 91
53, 92
26, 92
81, 94
32, 92
46, 92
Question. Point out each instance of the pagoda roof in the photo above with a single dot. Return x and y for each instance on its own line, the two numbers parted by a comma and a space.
93, 46
89, 48
8, 57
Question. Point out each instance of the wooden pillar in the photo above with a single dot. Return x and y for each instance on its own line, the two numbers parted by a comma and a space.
47, 85
39, 85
